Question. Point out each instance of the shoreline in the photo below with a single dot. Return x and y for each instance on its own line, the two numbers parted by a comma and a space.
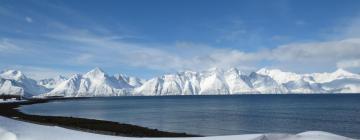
10, 110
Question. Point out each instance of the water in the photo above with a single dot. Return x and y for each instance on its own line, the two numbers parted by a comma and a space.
220, 115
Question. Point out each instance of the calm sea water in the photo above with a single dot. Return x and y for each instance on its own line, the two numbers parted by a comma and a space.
220, 115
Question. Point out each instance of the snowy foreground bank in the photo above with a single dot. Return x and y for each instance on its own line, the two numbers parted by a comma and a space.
16, 130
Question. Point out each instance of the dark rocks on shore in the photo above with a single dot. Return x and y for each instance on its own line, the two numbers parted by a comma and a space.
88, 125
6, 97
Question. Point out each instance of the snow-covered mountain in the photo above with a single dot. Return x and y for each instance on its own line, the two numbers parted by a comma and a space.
51, 83
10, 87
210, 82
16, 83
294, 83
304, 86
238, 82
266, 84
280, 76
132, 81
343, 85
339, 81
214, 81
183, 83
264, 81
93, 83
338, 74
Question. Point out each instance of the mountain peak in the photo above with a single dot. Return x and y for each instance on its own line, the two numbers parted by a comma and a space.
266, 71
187, 72
215, 70
97, 69
263, 71
342, 71
233, 70
96, 72
11, 74
60, 77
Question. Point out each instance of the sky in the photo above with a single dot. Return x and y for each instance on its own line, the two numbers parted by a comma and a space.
143, 38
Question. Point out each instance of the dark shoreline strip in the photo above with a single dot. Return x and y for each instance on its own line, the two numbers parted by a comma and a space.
10, 110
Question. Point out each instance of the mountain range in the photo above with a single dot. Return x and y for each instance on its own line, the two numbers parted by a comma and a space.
213, 81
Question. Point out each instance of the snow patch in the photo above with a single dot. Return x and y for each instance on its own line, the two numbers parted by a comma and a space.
40, 132
6, 135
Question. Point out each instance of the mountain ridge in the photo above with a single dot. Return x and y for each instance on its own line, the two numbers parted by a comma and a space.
213, 81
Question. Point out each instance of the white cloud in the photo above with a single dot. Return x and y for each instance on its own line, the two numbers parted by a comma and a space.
98, 46
351, 28
326, 51
298, 56
88, 47
83, 58
314, 56
41, 72
7, 46
354, 63
98, 50
29, 19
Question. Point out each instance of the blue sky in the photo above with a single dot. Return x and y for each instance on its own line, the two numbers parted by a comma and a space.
150, 38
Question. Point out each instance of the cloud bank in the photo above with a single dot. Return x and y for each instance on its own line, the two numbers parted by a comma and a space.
99, 50
58, 44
